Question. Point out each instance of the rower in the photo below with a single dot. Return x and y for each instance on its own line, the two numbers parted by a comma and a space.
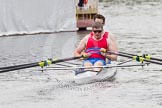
93, 47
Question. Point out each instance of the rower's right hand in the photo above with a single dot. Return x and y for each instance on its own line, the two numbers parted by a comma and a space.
86, 55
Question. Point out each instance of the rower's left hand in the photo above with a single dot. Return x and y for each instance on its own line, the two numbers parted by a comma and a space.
86, 55
103, 51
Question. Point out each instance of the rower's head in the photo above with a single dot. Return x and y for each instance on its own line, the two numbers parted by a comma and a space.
97, 29
99, 18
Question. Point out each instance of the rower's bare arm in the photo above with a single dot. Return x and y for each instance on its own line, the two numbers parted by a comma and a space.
82, 44
112, 47
112, 37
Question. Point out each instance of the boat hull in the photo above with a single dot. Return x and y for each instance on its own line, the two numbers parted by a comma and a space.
91, 76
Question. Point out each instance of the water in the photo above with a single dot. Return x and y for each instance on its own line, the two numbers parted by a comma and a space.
137, 28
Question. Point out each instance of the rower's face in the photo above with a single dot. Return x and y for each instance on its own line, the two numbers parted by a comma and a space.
97, 33
99, 20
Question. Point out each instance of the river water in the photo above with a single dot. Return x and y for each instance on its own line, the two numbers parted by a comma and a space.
137, 28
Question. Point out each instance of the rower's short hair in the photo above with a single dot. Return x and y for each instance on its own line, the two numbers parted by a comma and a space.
99, 16
97, 25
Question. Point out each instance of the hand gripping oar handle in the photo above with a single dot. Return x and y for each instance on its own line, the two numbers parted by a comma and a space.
137, 58
42, 64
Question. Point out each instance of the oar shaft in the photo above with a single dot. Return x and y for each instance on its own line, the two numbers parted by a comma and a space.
65, 59
130, 56
10, 67
157, 59
152, 58
23, 66
18, 67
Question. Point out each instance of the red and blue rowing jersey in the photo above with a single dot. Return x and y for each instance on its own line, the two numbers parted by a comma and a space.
93, 46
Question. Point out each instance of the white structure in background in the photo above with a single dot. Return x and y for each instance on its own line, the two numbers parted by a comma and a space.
36, 16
